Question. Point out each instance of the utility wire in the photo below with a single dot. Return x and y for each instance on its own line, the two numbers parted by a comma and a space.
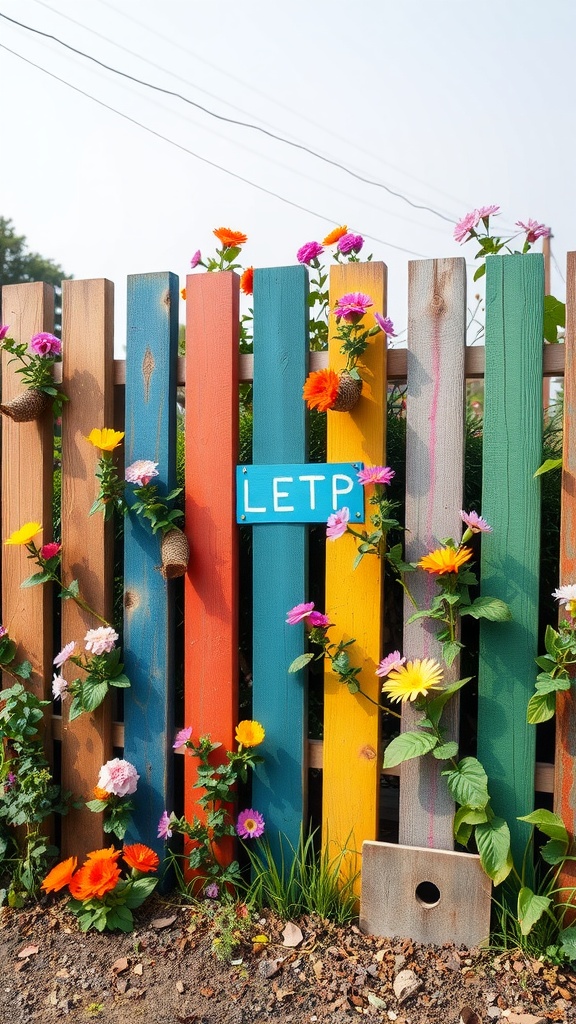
211, 163
231, 120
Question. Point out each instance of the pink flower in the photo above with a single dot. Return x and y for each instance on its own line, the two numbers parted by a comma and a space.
211, 891
533, 230
299, 612
486, 211
101, 641
389, 662
182, 737
308, 252
164, 830
337, 522
465, 226
141, 472
4, 328
351, 307
250, 824
59, 688
475, 522
385, 324
196, 259
45, 344
65, 653
350, 243
3, 631
118, 777
375, 475
49, 550
318, 620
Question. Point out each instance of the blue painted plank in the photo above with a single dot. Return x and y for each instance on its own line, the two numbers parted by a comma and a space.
151, 364
298, 494
280, 551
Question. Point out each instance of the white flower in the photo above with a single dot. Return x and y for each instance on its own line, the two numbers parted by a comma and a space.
565, 594
101, 640
59, 688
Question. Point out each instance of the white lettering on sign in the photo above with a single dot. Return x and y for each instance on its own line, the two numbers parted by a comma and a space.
337, 491
312, 481
247, 501
276, 494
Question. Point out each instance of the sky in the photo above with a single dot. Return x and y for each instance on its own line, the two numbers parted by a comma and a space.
450, 104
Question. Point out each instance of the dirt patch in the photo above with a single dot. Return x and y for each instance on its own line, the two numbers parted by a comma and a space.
165, 972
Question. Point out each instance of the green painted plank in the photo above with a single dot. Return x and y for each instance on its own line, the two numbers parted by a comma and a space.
512, 451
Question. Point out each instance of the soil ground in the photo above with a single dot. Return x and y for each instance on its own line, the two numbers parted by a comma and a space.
166, 972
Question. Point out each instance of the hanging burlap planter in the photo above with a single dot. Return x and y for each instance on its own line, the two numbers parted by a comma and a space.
349, 392
175, 552
28, 406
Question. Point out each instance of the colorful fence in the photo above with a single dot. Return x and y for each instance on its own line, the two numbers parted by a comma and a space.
139, 395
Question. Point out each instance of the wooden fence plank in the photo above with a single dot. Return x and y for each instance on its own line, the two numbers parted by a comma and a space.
512, 451
279, 551
87, 554
151, 354
26, 492
352, 759
434, 495
211, 585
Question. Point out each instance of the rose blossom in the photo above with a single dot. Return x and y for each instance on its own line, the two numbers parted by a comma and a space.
141, 472
45, 344
4, 328
299, 612
118, 777
385, 324
337, 522
375, 475
393, 660
182, 737
533, 230
351, 307
64, 654
101, 640
350, 243
308, 252
49, 550
164, 830
196, 259
59, 688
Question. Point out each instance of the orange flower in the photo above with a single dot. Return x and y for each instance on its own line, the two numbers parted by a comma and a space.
110, 853
60, 875
140, 857
247, 281
230, 238
183, 294
100, 794
445, 560
96, 877
335, 235
321, 389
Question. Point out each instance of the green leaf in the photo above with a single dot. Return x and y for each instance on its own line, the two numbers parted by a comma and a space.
548, 465
551, 639
435, 706
467, 816
38, 577
481, 270
121, 681
93, 694
491, 608
140, 890
76, 708
300, 662
545, 663
545, 683
549, 823
408, 745
445, 751
568, 942
541, 707
96, 805
493, 842
468, 783
119, 918
341, 663
450, 650
530, 909
24, 670
554, 317
554, 851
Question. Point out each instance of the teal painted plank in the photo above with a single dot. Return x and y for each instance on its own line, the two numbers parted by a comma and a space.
151, 362
512, 450
280, 551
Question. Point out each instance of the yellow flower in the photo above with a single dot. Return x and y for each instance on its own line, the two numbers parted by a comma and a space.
445, 560
407, 682
249, 734
25, 534
106, 439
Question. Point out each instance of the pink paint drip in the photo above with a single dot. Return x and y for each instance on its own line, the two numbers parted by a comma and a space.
429, 539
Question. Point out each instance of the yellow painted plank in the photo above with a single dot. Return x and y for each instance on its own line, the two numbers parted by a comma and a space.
352, 757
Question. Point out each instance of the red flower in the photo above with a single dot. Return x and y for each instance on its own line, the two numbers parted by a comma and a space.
247, 281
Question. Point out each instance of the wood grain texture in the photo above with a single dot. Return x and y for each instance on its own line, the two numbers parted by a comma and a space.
280, 551
211, 585
512, 451
352, 757
151, 353
87, 556
26, 492
435, 403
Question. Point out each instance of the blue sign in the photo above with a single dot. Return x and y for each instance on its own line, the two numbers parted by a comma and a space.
298, 494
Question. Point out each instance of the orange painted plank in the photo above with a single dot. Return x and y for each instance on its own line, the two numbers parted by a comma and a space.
352, 757
210, 589
27, 460
87, 554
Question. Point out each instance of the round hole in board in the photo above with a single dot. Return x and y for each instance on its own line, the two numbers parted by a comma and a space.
427, 894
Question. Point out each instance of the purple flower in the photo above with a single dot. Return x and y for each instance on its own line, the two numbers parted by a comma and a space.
337, 522
465, 226
212, 891
475, 522
59, 688
299, 612
250, 824
351, 307
308, 252
533, 230
164, 830
4, 328
350, 243
45, 344
393, 660
318, 620
3, 631
196, 259
64, 654
375, 475
182, 737
385, 324
10, 780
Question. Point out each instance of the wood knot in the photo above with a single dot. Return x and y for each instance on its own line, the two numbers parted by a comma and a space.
148, 364
437, 305
131, 600
368, 752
